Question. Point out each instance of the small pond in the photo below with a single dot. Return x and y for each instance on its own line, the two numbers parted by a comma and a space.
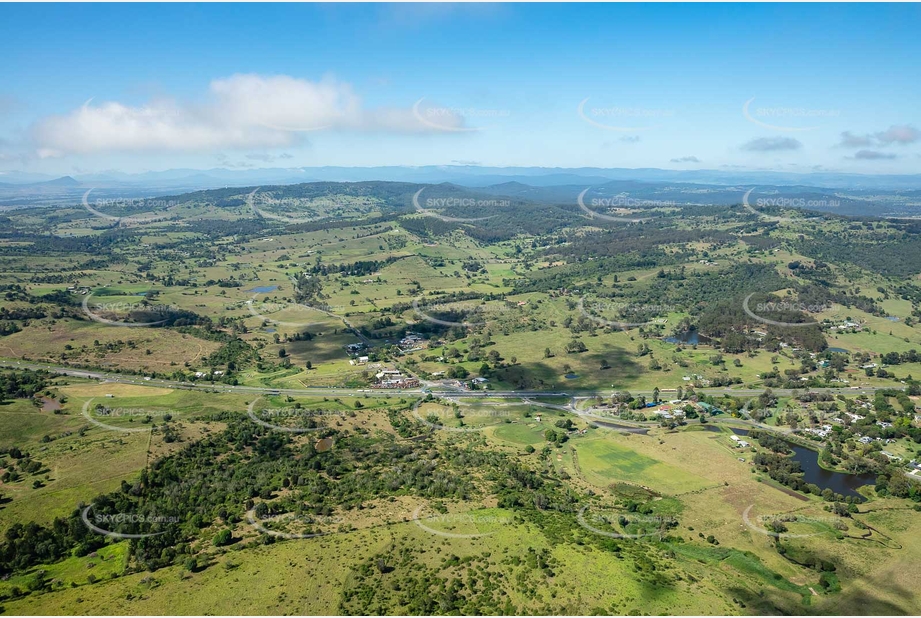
689, 337
839, 482
735, 430
609, 425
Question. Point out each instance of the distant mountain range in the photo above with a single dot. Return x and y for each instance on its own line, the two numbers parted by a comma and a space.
471, 176
845, 194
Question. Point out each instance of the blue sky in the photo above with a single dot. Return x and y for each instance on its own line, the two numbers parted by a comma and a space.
89, 88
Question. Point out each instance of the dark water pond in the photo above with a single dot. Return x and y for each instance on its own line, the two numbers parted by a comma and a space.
838, 482
610, 425
839, 350
571, 376
735, 430
265, 289
689, 337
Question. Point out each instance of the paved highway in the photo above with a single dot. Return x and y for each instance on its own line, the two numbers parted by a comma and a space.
435, 389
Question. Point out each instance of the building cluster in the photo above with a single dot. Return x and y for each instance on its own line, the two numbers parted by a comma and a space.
739, 441
822, 432
394, 378
845, 326
205, 374
412, 341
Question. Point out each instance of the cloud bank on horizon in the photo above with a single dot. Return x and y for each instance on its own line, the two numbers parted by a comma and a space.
244, 111
411, 86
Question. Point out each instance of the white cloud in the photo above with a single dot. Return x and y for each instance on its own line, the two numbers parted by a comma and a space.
873, 155
772, 144
243, 111
690, 159
899, 134
850, 140
266, 157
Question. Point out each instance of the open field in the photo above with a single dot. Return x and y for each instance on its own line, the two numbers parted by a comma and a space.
370, 496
